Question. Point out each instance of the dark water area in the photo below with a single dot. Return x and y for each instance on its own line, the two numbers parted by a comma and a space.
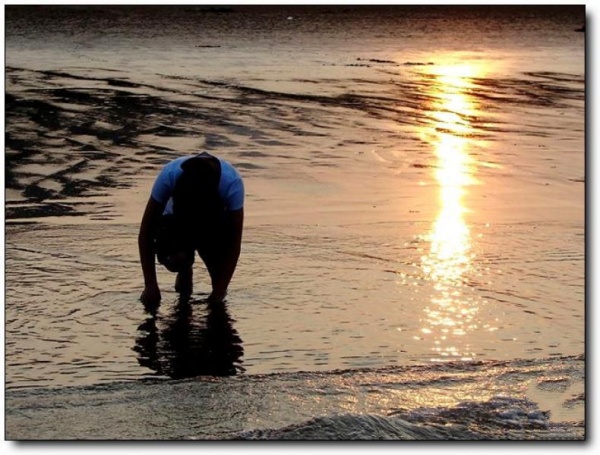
489, 20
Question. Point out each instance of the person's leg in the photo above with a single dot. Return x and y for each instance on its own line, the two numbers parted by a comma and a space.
174, 256
212, 247
184, 281
210, 257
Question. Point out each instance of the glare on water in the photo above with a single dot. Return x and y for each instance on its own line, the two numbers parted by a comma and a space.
450, 313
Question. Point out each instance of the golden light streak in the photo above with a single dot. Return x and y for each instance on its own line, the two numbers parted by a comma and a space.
450, 313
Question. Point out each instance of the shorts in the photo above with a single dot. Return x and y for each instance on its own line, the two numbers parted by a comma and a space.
209, 242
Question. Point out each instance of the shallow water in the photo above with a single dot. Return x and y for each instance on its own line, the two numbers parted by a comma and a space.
414, 196
518, 400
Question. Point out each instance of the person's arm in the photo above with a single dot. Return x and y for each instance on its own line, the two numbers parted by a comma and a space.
150, 221
225, 272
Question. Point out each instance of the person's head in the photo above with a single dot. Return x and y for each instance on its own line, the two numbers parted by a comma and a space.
177, 260
196, 196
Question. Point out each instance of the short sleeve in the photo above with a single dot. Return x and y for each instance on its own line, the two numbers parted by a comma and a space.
163, 187
235, 195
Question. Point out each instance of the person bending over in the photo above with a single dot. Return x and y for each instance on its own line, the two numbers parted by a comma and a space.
196, 204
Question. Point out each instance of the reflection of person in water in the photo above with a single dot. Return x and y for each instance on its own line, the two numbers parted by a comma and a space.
196, 204
182, 346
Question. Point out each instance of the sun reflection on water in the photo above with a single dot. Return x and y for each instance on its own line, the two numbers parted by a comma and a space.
451, 312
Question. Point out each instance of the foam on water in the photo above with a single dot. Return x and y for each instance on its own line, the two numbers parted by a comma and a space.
468, 401
501, 418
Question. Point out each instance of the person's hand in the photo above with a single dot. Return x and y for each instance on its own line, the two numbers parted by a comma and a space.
151, 297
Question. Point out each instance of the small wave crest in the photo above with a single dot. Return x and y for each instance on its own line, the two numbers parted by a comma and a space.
499, 418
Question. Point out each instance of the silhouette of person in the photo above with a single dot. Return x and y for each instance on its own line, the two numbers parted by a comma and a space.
196, 204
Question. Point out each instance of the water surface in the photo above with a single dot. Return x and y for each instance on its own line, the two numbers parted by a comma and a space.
415, 194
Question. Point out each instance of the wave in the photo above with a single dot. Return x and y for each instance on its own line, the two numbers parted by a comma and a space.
501, 418
456, 401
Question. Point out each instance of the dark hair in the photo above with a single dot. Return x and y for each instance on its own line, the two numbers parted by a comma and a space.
196, 200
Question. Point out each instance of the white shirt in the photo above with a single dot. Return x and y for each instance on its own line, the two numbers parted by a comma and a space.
231, 185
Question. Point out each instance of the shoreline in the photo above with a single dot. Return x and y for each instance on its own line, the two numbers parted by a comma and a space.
118, 406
